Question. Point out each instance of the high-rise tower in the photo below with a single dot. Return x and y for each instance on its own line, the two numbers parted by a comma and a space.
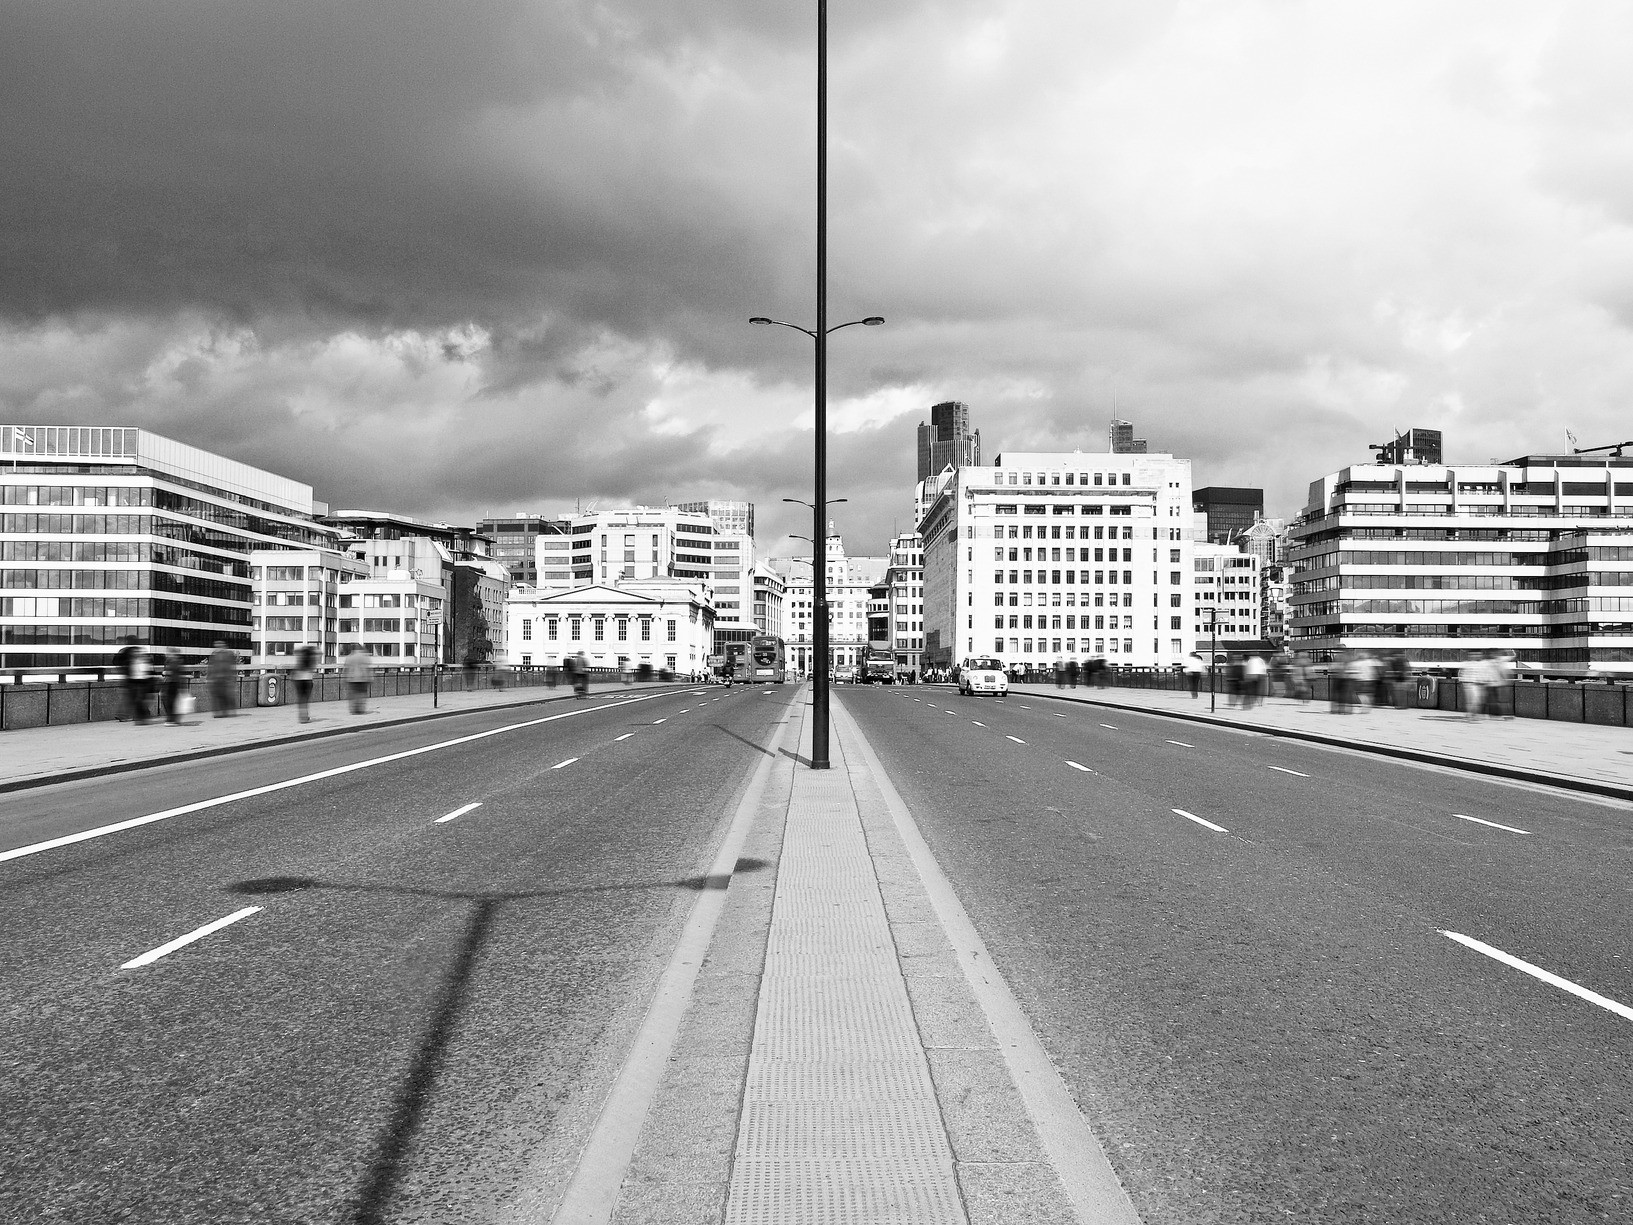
948, 439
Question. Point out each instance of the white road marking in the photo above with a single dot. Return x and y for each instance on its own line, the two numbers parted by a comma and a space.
977, 723
458, 812
1191, 816
1058, 715
1285, 770
655, 722
949, 712
1077, 766
560, 764
1112, 726
1182, 744
1023, 705
164, 950
1016, 739
918, 699
625, 736
684, 710
1553, 980
85, 835
1493, 824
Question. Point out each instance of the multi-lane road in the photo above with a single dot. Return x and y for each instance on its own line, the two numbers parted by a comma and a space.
384, 976
1251, 959
413, 949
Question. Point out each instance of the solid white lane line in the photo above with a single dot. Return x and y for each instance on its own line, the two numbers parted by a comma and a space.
560, 764
625, 736
977, 723
1112, 726
1553, 980
1182, 744
1493, 824
86, 835
1016, 739
458, 812
1285, 770
1077, 766
164, 950
1191, 816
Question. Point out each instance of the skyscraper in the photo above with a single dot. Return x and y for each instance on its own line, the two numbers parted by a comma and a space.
948, 439
1123, 442
1231, 511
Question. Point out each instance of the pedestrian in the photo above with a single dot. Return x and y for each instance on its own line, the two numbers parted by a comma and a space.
624, 670
1503, 671
1338, 685
1254, 674
1193, 673
133, 672
1298, 680
306, 662
1363, 679
1233, 682
222, 674
1473, 679
1072, 673
581, 676
175, 682
358, 670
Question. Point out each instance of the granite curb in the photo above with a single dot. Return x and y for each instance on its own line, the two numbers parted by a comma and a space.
1449, 761
170, 759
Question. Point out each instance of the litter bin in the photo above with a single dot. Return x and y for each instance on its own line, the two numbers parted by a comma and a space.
270, 690
1428, 692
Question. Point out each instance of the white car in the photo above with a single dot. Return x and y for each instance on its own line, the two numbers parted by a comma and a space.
982, 675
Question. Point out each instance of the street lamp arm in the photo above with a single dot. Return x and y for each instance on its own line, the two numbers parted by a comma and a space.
781, 324
871, 321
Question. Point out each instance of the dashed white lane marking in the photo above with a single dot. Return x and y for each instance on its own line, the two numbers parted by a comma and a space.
164, 950
918, 699
102, 831
1023, 705
1016, 739
1553, 980
1493, 824
1191, 816
683, 710
1113, 727
560, 764
1078, 766
655, 722
625, 736
1182, 744
949, 711
1285, 770
977, 723
458, 812
1058, 715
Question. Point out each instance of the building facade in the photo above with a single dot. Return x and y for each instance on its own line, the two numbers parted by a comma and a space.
662, 623
297, 603
1228, 587
1121, 441
1231, 511
1440, 562
848, 582
514, 540
1060, 556
109, 534
905, 578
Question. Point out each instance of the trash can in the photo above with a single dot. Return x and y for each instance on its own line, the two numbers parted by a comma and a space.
270, 690
1428, 692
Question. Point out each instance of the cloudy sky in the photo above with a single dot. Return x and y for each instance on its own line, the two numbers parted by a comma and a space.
452, 259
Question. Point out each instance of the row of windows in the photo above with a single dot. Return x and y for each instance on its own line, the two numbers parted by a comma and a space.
1412, 557
121, 606
74, 495
1529, 629
92, 635
1024, 621
1080, 577
1419, 582
1102, 646
122, 580
1063, 508
1101, 555
1055, 478
598, 629
1332, 608
1052, 599
1431, 533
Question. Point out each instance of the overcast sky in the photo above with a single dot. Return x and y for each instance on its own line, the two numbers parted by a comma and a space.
454, 259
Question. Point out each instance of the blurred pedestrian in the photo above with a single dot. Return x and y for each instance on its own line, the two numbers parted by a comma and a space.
1504, 668
175, 683
1254, 677
1474, 681
222, 675
581, 676
134, 670
306, 662
1363, 672
358, 670
1233, 682
1072, 673
1338, 682
624, 671
1193, 673
1298, 679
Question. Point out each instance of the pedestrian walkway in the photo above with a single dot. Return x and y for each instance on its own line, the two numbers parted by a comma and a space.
34, 756
1580, 755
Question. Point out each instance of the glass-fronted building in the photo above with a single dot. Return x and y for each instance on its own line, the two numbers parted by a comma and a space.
109, 534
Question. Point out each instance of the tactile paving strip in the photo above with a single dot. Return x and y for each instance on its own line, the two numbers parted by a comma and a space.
840, 1123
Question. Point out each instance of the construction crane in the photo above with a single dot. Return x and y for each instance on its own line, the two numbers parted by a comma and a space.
1615, 449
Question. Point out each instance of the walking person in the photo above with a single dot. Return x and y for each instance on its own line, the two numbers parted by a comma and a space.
222, 675
1473, 680
581, 676
175, 683
1254, 676
1193, 673
1363, 679
358, 670
133, 672
1338, 686
306, 662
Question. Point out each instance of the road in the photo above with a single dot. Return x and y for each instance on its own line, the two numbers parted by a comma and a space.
1233, 948
397, 1005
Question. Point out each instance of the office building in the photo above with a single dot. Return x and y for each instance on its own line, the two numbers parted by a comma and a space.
1122, 440
770, 593
297, 603
1231, 511
1441, 562
849, 580
947, 440
905, 578
513, 538
663, 623
1413, 447
730, 518
1227, 591
1059, 556
111, 534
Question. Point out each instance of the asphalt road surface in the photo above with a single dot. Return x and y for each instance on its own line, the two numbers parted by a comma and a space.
405, 974
1235, 949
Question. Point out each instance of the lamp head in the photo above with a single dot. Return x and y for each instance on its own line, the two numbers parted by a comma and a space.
873, 321
759, 319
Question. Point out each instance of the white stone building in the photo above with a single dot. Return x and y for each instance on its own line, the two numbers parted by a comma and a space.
664, 623
1058, 556
848, 580
905, 578
1227, 580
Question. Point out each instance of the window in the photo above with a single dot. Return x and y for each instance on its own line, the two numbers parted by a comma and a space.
551, 626
575, 628
527, 630
671, 637
1173, 623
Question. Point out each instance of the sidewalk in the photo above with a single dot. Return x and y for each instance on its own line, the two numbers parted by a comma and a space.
1578, 756
34, 757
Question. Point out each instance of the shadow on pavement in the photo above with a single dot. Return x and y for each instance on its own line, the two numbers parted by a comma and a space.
408, 1105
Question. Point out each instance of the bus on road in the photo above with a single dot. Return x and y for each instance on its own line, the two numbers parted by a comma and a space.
763, 660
